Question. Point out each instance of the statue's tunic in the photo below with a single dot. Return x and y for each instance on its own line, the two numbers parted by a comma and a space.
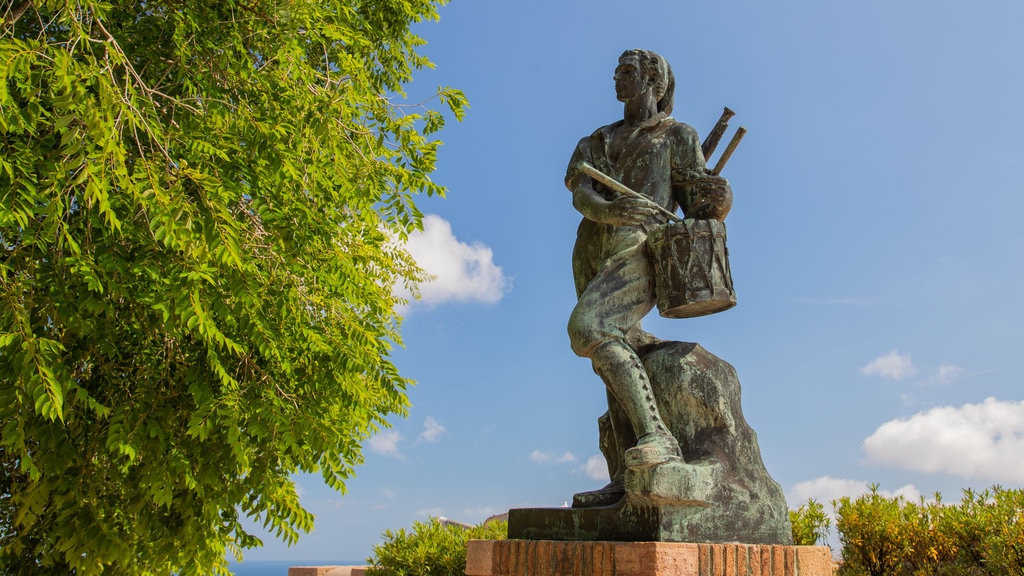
611, 264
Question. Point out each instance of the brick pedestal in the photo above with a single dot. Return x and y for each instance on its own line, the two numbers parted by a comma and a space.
562, 558
327, 571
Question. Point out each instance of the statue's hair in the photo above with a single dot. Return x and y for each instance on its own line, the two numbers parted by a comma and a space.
657, 70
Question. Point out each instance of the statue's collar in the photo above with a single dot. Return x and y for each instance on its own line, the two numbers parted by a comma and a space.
651, 122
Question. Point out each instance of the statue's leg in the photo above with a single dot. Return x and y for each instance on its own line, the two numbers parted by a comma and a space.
627, 380
614, 301
619, 431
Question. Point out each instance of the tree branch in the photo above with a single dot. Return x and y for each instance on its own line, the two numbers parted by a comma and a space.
15, 13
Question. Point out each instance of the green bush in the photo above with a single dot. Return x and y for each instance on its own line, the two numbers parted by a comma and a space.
1000, 515
810, 524
433, 548
982, 535
872, 533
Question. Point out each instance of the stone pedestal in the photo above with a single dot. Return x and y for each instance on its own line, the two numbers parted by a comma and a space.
559, 558
632, 523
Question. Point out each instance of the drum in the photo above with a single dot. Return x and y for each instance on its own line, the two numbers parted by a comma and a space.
691, 268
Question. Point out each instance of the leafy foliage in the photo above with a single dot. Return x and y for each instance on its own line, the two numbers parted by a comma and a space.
871, 532
433, 548
202, 214
810, 524
982, 535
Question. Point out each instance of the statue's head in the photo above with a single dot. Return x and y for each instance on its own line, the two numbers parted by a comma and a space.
655, 73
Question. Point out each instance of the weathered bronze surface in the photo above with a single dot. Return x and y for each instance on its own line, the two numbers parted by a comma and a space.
719, 492
711, 142
691, 268
684, 464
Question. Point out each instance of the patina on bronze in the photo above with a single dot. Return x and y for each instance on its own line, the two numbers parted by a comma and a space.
711, 142
684, 465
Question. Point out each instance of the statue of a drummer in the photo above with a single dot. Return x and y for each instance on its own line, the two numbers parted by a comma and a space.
661, 159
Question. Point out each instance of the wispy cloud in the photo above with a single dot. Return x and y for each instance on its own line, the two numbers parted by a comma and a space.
977, 441
430, 512
542, 457
892, 365
458, 271
947, 373
826, 489
596, 468
385, 443
432, 430
478, 515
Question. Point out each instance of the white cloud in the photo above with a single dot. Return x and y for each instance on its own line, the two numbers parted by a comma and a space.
948, 373
335, 504
432, 430
478, 515
385, 443
430, 512
458, 271
892, 365
550, 457
826, 489
978, 441
596, 468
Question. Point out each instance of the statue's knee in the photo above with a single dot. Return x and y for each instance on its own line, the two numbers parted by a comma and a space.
582, 334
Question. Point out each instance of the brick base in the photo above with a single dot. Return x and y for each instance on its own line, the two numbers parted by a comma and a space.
309, 570
562, 558
327, 571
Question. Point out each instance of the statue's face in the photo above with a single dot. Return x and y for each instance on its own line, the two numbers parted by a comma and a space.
629, 79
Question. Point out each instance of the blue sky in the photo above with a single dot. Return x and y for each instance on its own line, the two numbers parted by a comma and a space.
874, 244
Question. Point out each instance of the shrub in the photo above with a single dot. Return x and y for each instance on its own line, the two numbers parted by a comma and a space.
810, 524
982, 535
871, 533
1000, 513
433, 548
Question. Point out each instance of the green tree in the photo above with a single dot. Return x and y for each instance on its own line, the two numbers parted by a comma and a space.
203, 213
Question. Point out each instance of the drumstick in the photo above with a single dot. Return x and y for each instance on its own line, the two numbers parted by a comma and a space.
711, 142
621, 188
740, 133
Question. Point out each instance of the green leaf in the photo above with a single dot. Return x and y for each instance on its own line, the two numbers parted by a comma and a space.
199, 207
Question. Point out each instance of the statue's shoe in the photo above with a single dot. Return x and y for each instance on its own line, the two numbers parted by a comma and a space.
606, 496
653, 449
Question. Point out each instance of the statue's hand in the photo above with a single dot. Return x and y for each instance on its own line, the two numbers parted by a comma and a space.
625, 211
702, 195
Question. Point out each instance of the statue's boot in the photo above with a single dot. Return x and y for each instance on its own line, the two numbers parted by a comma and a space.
653, 449
626, 378
609, 495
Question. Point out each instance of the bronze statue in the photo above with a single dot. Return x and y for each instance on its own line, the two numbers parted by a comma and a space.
684, 464
660, 158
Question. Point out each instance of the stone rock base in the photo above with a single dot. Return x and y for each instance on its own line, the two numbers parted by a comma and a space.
559, 558
721, 492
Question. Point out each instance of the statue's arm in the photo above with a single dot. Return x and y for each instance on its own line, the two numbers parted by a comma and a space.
687, 154
588, 201
699, 193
